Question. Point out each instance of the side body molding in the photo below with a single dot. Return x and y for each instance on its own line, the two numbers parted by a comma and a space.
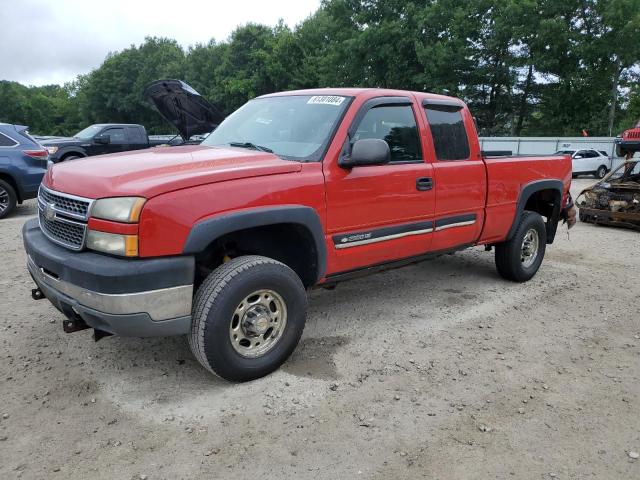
206, 231
525, 194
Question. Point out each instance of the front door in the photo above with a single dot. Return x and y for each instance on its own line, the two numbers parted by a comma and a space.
118, 141
381, 213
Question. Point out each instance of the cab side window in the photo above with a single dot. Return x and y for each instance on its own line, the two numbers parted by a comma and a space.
448, 132
116, 136
396, 125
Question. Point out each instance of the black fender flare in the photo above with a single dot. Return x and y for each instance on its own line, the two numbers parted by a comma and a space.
525, 194
206, 231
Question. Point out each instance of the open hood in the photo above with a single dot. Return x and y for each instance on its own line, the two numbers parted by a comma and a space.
183, 107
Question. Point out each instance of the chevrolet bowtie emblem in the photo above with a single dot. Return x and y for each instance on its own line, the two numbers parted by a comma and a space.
50, 212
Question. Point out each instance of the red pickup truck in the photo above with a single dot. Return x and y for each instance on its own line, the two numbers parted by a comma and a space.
294, 190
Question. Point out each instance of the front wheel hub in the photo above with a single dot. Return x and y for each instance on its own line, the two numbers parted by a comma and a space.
256, 320
258, 323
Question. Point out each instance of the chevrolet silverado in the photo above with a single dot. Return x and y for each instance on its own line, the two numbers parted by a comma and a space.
220, 241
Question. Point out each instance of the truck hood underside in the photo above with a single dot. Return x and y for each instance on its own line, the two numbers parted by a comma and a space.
151, 172
183, 107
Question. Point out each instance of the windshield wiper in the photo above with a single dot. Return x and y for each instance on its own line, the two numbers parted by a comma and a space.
250, 145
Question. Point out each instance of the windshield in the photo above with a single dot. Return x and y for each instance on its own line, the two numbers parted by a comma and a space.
88, 133
565, 152
626, 171
296, 127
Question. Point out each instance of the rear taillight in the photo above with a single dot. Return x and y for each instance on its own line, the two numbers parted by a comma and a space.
37, 154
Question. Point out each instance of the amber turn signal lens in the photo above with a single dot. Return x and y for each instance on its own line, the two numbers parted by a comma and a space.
131, 245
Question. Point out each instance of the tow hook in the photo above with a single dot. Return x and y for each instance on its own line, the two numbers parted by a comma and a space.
70, 326
37, 294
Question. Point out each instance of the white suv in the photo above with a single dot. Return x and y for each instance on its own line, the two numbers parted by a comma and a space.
588, 162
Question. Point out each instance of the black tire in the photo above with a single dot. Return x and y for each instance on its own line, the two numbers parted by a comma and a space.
509, 254
214, 311
601, 172
8, 199
69, 157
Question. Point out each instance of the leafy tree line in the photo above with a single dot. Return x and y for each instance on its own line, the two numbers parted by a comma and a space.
526, 67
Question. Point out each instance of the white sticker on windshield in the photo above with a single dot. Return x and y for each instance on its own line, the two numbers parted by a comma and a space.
326, 100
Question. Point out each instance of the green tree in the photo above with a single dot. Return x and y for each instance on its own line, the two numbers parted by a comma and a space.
525, 67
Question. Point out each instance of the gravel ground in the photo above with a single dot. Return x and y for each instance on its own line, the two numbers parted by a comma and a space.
439, 370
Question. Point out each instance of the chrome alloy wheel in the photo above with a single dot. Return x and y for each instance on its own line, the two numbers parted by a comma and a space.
258, 323
4, 199
530, 247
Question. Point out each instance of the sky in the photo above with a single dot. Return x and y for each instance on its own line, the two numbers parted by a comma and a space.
52, 41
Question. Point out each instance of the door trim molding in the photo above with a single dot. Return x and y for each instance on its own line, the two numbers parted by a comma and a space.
365, 237
375, 235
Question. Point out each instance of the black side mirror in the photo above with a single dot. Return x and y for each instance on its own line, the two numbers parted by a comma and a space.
102, 139
369, 151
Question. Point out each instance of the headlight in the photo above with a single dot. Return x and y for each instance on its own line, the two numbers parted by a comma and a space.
51, 150
119, 209
113, 243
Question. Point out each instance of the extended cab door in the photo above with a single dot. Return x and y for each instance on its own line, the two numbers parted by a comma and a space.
459, 174
380, 213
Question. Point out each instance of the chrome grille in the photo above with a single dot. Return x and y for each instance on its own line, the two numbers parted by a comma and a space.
67, 233
66, 204
63, 217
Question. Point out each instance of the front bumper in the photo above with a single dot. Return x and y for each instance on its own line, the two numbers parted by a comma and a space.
607, 217
127, 297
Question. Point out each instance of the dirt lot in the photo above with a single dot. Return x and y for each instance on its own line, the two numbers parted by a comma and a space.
440, 370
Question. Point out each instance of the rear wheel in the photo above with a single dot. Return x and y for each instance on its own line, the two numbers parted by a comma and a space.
520, 258
248, 316
601, 172
8, 199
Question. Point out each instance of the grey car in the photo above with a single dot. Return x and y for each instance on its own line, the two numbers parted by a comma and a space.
23, 163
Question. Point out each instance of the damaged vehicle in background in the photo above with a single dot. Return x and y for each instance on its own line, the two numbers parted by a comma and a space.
614, 200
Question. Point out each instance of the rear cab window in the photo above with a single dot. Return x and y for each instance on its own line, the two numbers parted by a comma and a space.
448, 131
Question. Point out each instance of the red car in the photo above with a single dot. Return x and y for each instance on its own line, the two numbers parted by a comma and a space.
294, 190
